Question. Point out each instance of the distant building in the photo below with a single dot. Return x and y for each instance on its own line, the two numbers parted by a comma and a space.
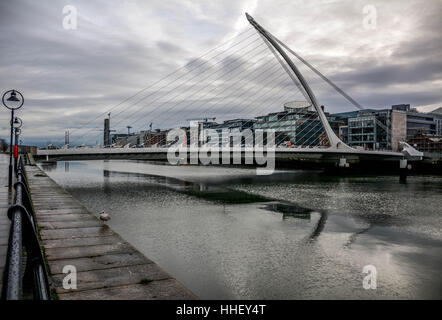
370, 130
120, 139
155, 138
437, 115
27, 149
427, 142
401, 107
295, 106
418, 122
383, 129
398, 128
234, 129
297, 125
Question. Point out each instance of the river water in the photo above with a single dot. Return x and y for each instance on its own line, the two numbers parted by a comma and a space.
226, 233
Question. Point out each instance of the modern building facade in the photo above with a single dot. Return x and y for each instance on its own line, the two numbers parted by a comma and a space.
437, 115
154, 138
420, 123
417, 122
297, 125
229, 132
374, 129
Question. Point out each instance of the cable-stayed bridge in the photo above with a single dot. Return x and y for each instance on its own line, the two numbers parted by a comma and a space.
252, 74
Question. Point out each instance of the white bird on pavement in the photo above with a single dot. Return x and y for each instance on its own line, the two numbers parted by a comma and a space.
104, 216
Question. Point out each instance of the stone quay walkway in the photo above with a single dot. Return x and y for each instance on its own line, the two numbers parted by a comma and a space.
5, 202
107, 267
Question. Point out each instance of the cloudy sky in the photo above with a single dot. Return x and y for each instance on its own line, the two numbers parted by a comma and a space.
71, 78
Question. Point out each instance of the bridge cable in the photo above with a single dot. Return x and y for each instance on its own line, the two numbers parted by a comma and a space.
120, 121
333, 85
163, 78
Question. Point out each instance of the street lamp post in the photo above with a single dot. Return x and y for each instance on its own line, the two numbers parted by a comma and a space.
17, 125
12, 103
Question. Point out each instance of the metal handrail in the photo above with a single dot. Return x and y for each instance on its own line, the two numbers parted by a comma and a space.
23, 233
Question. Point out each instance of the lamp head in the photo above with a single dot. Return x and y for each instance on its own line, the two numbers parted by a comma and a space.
17, 123
13, 97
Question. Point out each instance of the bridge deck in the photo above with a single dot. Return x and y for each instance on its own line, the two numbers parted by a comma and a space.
323, 155
107, 266
164, 150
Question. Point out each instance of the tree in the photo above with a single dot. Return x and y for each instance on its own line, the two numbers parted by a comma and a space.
3, 145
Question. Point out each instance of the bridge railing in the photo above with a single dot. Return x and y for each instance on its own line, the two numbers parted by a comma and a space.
20, 269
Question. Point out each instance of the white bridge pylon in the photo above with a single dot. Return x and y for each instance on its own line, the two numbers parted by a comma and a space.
335, 142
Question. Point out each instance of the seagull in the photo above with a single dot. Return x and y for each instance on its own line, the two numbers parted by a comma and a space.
104, 216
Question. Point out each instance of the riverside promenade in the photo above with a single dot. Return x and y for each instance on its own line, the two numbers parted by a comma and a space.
5, 201
107, 267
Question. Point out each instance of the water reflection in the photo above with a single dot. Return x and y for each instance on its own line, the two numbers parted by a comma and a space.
201, 190
319, 226
293, 211
49, 166
289, 210
354, 237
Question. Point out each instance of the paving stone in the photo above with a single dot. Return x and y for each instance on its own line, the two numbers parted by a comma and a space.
100, 262
76, 233
56, 211
68, 224
96, 279
55, 204
169, 289
87, 251
66, 217
59, 207
78, 242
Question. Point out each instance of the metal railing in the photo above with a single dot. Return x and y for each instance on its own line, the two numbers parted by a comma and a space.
23, 267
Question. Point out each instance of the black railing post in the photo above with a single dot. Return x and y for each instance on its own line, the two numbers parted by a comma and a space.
23, 233
12, 282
